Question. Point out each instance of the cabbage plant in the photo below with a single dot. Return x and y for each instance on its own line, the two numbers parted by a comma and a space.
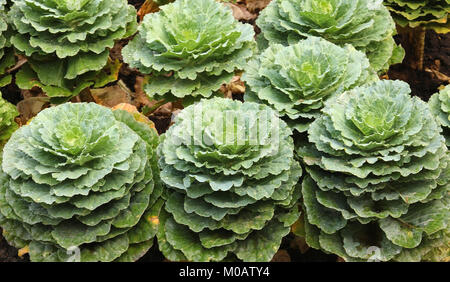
80, 183
231, 182
8, 112
67, 42
378, 177
190, 48
413, 18
6, 53
297, 79
440, 107
432, 14
365, 24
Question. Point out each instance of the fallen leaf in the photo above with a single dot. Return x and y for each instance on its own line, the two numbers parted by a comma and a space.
110, 96
126, 107
254, 6
25, 250
140, 98
30, 107
148, 7
136, 114
240, 12
281, 256
236, 86
439, 75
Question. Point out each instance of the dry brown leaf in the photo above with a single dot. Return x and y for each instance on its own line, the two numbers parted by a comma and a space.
236, 86
165, 109
136, 114
148, 7
435, 70
281, 256
254, 6
110, 96
140, 98
126, 107
30, 107
240, 12
25, 250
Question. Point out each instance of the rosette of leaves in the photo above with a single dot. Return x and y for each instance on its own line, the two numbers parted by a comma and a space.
230, 196
7, 59
365, 24
432, 14
80, 182
440, 107
413, 18
295, 80
190, 48
67, 42
378, 177
8, 112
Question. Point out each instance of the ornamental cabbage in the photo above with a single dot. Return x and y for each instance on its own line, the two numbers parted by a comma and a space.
6, 54
8, 112
67, 42
440, 107
190, 48
81, 179
432, 14
297, 79
231, 176
378, 177
365, 24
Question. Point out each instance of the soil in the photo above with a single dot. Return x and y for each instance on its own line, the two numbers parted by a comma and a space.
8, 253
436, 66
423, 84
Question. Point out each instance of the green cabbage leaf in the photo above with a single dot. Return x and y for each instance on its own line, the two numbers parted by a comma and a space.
231, 183
440, 107
296, 80
67, 42
365, 24
7, 59
433, 14
190, 48
8, 112
378, 177
80, 182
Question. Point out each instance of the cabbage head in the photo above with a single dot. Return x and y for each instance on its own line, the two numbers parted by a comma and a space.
67, 42
190, 48
433, 14
80, 183
440, 107
231, 183
365, 24
7, 59
297, 79
8, 113
378, 177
